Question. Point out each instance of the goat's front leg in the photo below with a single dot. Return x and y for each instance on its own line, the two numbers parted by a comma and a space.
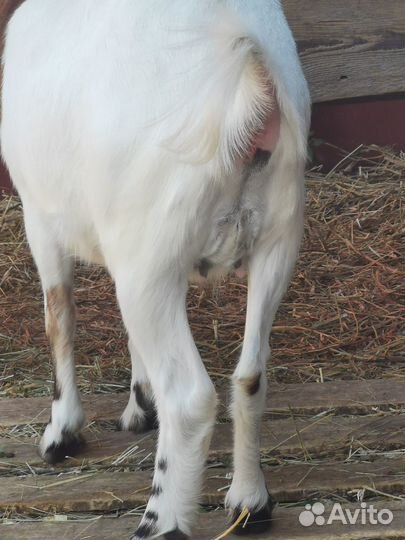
154, 313
269, 271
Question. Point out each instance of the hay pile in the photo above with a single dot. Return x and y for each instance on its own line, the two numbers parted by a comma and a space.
343, 316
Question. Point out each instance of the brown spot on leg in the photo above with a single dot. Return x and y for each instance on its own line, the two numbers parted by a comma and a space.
60, 326
60, 316
251, 385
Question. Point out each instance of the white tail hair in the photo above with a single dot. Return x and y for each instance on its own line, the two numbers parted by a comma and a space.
233, 95
237, 87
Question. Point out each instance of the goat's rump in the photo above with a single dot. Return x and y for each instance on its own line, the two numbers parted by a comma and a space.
147, 129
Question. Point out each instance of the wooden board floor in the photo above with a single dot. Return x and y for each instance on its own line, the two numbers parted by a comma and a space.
329, 442
285, 526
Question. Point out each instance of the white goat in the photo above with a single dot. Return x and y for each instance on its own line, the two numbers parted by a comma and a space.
160, 139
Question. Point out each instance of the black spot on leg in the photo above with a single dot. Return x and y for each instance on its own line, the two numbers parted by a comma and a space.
156, 490
150, 420
57, 391
140, 397
151, 515
162, 464
143, 424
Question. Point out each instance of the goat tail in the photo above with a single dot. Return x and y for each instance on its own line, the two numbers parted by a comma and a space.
236, 91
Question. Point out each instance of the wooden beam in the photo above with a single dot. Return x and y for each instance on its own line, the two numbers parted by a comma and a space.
109, 491
285, 526
343, 397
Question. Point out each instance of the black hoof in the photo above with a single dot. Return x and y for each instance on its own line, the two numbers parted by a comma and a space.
176, 535
143, 533
70, 445
258, 522
148, 422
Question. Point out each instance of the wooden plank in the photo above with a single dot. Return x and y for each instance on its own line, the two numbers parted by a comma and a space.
343, 397
350, 48
298, 438
356, 73
108, 491
285, 526
320, 20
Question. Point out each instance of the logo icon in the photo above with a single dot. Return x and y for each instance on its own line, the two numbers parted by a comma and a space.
312, 514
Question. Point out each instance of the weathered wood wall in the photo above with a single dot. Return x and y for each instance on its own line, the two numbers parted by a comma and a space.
349, 48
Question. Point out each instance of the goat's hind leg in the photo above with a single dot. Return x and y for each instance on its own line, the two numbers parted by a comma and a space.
61, 436
153, 309
269, 272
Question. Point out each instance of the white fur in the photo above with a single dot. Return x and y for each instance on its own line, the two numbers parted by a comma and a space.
124, 128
